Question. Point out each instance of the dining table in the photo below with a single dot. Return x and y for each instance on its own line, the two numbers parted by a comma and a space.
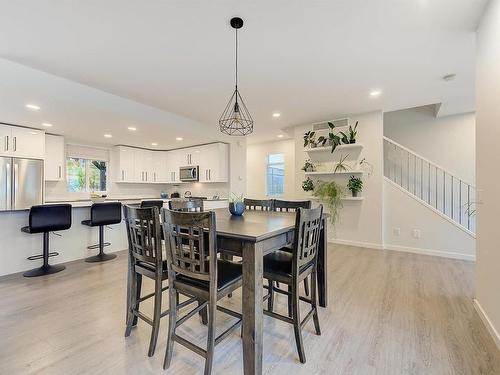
252, 236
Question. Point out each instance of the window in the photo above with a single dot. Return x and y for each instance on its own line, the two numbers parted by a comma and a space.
275, 174
86, 175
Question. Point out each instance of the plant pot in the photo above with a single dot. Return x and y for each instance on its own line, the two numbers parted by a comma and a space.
352, 141
313, 145
309, 169
236, 209
354, 193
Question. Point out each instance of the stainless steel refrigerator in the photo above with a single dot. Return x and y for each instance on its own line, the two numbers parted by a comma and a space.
21, 183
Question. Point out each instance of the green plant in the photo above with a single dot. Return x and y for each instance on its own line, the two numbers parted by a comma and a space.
341, 165
307, 184
350, 137
322, 140
331, 194
334, 140
366, 166
308, 166
355, 185
236, 198
309, 138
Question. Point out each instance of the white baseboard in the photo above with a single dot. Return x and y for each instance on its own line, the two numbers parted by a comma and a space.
487, 322
437, 253
368, 245
405, 249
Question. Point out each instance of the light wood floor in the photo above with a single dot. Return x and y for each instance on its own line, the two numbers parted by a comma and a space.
389, 313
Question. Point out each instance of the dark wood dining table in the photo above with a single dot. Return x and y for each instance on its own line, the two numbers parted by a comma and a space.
254, 235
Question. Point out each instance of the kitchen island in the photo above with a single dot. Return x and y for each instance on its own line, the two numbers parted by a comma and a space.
71, 244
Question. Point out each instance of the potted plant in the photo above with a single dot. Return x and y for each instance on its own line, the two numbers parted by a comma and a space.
308, 166
307, 184
309, 139
341, 166
236, 204
350, 137
331, 194
355, 185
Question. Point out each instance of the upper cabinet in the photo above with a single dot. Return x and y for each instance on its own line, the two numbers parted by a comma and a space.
22, 142
54, 158
214, 163
143, 166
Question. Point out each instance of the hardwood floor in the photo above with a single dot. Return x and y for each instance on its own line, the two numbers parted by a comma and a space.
389, 313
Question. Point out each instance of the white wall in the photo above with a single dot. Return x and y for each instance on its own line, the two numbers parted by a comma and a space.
447, 141
438, 236
487, 162
360, 223
256, 167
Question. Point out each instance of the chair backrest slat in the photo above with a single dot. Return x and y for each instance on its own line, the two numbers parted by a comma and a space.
186, 205
290, 206
307, 236
187, 246
258, 204
144, 234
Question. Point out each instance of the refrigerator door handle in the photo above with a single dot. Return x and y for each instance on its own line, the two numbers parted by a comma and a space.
16, 185
8, 187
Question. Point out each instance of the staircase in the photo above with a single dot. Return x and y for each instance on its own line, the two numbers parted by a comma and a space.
432, 185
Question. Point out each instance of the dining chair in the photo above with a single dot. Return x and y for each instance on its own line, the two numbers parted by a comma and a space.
292, 206
292, 268
145, 259
194, 269
152, 203
258, 204
191, 205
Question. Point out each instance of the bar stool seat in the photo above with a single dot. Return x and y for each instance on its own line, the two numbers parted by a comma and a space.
102, 214
44, 219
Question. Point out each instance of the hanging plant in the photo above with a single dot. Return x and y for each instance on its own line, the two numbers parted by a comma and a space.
341, 165
330, 193
307, 184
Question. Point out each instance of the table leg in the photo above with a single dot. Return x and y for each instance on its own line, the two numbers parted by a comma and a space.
322, 266
252, 308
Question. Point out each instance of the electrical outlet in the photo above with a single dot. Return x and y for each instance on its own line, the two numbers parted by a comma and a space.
416, 233
396, 232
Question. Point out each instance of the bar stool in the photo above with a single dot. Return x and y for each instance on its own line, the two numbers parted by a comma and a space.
152, 203
45, 219
102, 214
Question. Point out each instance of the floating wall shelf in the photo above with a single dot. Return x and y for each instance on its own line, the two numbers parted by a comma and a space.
339, 148
333, 173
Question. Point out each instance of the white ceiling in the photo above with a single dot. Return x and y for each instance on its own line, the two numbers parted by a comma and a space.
310, 60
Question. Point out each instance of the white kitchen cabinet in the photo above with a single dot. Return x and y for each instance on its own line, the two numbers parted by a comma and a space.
125, 164
174, 161
143, 166
160, 172
190, 156
55, 158
22, 142
214, 163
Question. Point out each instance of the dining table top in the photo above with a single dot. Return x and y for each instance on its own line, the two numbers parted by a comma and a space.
253, 225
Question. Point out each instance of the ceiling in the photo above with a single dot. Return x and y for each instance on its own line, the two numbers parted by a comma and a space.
310, 61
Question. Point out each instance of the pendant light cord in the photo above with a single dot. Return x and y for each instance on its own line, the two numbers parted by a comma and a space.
236, 59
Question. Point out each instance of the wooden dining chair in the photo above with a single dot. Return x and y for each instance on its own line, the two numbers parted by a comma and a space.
292, 268
191, 205
292, 206
145, 259
194, 269
258, 204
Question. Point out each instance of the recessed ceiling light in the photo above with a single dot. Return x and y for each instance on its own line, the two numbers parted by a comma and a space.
154, 144
276, 114
280, 135
132, 128
375, 93
47, 124
33, 107
108, 136
179, 138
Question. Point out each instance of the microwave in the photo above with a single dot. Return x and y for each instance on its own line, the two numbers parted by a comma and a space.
188, 173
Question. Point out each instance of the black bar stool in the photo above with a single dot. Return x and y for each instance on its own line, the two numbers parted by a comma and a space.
102, 214
152, 203
44, 219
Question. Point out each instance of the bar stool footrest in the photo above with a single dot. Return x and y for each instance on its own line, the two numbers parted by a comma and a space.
40, 256
93, 247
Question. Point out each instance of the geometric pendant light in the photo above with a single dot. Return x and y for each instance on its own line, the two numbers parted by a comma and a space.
236, 119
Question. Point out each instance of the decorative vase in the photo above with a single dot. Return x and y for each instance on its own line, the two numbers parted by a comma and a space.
237, 208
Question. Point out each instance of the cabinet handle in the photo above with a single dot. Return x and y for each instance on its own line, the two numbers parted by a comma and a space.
146, 174
142, 176
123, 175
154, 176
6, 143
59, 171
210, 174
15, 143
